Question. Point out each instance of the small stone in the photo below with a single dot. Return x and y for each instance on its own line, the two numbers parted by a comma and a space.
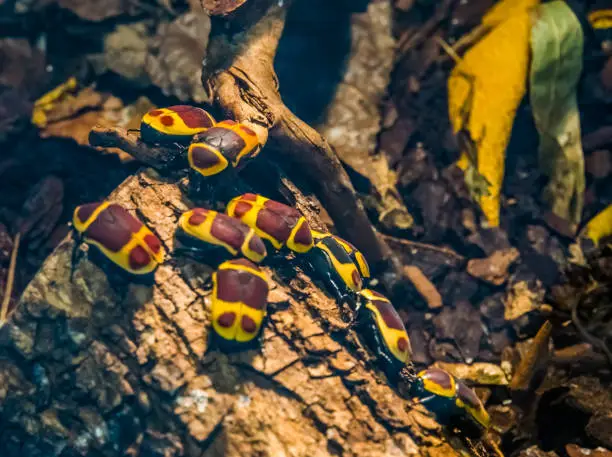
493, 269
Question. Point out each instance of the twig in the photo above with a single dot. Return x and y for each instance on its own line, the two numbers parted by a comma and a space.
595, 342
163, 159
428, 247
534, 360
447, 48
408, 42
10, 279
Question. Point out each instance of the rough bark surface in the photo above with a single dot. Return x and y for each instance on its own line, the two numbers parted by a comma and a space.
101, 366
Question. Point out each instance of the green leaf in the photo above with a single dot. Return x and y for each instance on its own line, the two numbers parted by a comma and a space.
557, 43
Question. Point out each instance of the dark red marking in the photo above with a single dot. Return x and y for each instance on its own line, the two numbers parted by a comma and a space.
256, 245
139, 258
195, 118
226, 320
113, 228
156, 112
203, 158
291, 214
229, 122
242, 208
247, 130
248, 324
197, 217
242, 286
84, 212
467, 395
181, 108
153, 242
402, 344
438, 376
230, 231
166, 120
389, 315
356, 278
273, 225
250, 197
303, 235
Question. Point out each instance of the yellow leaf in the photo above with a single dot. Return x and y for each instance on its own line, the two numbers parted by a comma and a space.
599, 227
499, 67
46, 102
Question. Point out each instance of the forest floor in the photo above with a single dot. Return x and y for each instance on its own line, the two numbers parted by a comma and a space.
372, 77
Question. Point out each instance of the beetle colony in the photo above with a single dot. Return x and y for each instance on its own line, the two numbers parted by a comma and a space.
238, 241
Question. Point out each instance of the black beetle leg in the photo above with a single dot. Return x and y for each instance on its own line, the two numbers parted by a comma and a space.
76, 254
380, 353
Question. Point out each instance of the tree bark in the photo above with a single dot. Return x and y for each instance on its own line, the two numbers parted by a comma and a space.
103, 366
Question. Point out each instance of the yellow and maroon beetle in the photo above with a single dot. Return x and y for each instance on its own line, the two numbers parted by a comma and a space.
384, 331
273, 221
174, 124
239, 302
329, 260
449, 399
355, 254
121, 237
227, 144
204, 230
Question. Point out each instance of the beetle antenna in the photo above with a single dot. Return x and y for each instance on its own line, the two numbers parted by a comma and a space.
133, 130
10, 279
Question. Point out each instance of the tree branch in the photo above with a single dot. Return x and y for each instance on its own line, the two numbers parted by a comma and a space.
239, 72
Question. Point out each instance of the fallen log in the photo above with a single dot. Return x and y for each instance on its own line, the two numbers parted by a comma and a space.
102, 366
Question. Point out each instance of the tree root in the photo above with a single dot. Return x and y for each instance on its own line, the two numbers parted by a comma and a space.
239, 74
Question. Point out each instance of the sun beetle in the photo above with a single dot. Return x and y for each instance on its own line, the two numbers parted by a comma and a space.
239, 302
206, 231
329, 260
226, 144
449, 399
384, 331
174, 124
278, 224
121, 237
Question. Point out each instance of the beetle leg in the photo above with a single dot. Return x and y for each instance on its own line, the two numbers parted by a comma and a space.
380, 345
76, 254
427, 399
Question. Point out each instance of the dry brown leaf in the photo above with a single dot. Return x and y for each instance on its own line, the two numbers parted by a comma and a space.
478, 373
42, 208
22, 66
221, 7
74, 116
175, 60
125, 52
96, 10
